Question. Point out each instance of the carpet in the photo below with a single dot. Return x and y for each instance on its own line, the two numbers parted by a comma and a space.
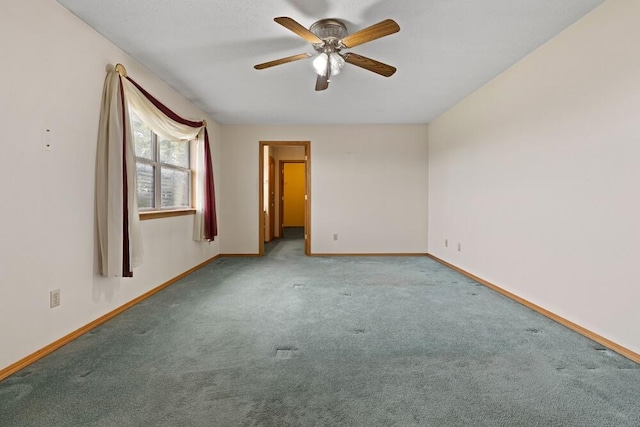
289, 340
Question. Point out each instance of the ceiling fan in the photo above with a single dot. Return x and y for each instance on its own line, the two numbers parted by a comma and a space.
328, 38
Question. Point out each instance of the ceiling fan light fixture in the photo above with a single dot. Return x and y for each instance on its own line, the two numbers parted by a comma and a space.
333, 60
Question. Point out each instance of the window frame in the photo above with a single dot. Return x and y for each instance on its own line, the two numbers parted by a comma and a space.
158, 211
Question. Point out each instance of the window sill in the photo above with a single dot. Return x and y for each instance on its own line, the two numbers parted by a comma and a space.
165, 214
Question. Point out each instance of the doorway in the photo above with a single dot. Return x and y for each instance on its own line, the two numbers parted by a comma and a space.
292, 197
273, 156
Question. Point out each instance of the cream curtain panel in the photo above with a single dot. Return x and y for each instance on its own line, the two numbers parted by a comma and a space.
119, 235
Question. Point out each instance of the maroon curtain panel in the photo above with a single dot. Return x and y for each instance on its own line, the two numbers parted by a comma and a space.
127, 271
210, 216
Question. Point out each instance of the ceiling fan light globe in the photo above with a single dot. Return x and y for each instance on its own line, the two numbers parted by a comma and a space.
320, 64
336, 62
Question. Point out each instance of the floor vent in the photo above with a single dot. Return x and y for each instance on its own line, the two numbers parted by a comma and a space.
286, 353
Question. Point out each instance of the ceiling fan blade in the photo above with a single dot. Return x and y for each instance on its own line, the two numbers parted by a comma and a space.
294, 26
322, 82
381, 29
282, 61
369, 64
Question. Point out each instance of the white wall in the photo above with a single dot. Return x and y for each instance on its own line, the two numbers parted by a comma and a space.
53, 69
537, 176
368, 185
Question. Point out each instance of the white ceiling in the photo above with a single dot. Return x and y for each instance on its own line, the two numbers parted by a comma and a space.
445, 50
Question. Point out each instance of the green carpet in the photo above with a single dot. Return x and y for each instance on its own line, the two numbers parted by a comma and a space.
287, 340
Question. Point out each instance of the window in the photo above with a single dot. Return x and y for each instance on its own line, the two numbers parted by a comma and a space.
163, 170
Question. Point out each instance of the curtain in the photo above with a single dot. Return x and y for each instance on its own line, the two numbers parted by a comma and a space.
119, 235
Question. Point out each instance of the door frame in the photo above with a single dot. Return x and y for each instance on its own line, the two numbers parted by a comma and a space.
307, 205
271, 209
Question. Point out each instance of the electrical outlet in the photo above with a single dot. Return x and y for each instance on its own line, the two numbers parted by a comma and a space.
335, 237
446, 243
54, 298
459, 248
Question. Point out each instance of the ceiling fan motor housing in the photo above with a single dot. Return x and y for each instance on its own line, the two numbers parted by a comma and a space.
330, 30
